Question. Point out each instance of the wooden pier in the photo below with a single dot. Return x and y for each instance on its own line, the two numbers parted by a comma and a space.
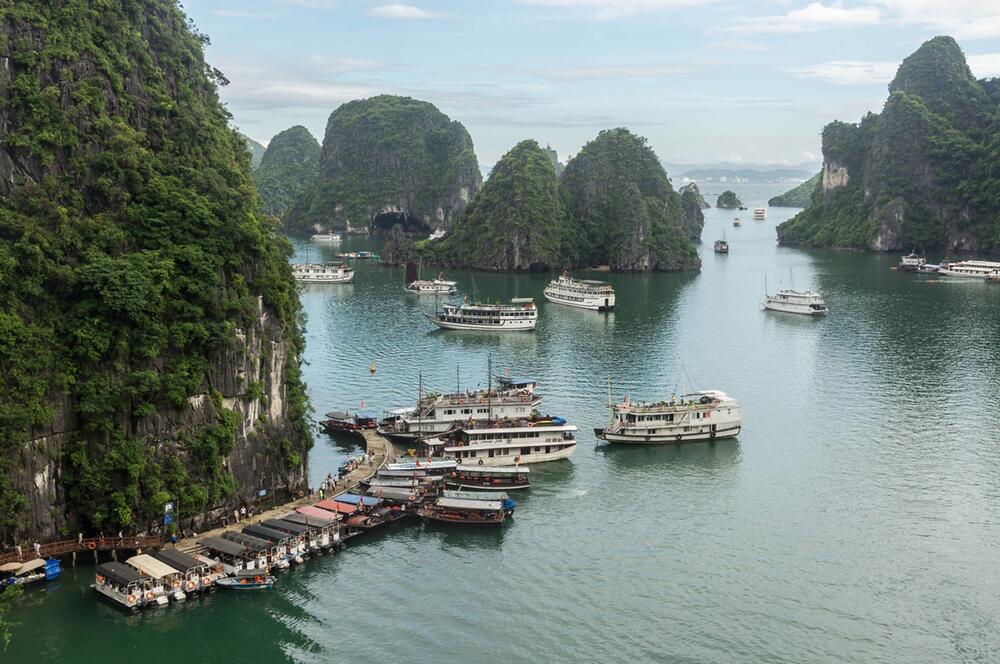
379, 448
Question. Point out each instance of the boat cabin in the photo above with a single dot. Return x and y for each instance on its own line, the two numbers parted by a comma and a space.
166, 582
196, 573
121, 584
234, 556
498, 477
268, 552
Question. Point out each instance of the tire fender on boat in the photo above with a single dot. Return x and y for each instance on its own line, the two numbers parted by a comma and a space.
190, 584
131, 599
149, 595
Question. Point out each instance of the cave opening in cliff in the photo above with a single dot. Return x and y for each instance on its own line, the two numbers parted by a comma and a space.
411, 225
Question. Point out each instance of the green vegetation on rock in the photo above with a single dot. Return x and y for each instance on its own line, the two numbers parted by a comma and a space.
133, 263
621, 209
516, 222
288, 169
728, 200
798, 196
692, 205
691, 190
922, 173
554, 157
392, 155
255, 149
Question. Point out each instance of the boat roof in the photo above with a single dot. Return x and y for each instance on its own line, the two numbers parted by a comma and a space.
462, 504
366, 415
223, 545
288, 526
354, 499
521, 300
150, 566
121, 574
494, 470
402, 472
411, 465
338, 507
256, 543
477, 495
403, 410
392, 493
178, 559
339, 415
250, 572
313, 512
10, 567
382, 481
30, 566
517, 381
265, 533
554, 427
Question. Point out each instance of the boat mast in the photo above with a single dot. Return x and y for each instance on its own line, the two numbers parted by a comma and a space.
489, 388
458, 378
420, 405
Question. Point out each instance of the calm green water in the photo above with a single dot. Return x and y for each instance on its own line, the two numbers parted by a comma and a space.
855, 519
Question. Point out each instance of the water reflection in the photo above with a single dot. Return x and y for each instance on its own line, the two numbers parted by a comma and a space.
717, 455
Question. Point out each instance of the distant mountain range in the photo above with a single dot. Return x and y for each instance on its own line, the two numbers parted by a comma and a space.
742, 172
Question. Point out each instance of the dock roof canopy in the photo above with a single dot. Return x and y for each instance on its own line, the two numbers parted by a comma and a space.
221, 545
289, 526
178, 560
123, 575
266, 533
315, 514
150, 566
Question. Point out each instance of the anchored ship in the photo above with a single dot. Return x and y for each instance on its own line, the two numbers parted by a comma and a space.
583, 293
520, 315
698, 416
322, 273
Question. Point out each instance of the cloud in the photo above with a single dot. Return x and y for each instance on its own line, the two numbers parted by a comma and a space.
737, 45
962, 19
609, 9
813, 17
620, 71
401, 11
229, 13
984, 65
849, 72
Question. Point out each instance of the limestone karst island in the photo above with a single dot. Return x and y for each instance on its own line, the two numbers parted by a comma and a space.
523, 331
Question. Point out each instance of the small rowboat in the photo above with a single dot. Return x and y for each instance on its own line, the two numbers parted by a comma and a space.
247, 580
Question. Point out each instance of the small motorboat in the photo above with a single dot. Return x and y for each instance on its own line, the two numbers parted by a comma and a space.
737, 223
360, 255
247, 579
721, 246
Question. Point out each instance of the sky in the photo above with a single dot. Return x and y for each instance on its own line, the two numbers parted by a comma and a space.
703, 80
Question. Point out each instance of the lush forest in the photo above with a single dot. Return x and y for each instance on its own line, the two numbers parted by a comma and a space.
922, 173
287, 170
728, 200
133, 258
393, 155
516, 222
798, 196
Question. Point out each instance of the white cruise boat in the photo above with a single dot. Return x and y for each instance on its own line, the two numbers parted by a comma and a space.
437, 413
322, 273
326, 237
912, 262
969, 269
759, 214
510, 442
520, 315
702, 415
583, 293
437, 286
789, 301
438, 234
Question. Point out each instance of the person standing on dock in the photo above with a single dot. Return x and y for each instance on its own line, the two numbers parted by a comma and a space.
38, 549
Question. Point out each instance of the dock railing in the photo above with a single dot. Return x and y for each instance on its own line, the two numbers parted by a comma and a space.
63, 547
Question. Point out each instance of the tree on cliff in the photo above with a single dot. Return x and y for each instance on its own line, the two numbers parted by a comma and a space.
255, 149
922, 173
798, 196
393, 155
692, 206
516, 222
621, 208
728, 200
287, 169
134, 263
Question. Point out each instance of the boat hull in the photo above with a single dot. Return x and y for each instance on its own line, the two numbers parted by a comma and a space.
504, 326
465, 484
325, 280
802, 310
515, 458
667, 439
591, 304
116, 598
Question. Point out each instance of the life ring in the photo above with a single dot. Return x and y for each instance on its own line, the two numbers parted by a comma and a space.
678, 438
91, 545
131, 599
149, 595
480, 462
190, 584
206, 581
176, 584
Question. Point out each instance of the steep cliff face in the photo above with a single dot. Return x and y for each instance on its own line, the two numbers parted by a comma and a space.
692, 204
287, 170
516, 222
919, 174
398, 247
621, 208
801, 195
386, 160
149, 342
728, 200
255, 149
